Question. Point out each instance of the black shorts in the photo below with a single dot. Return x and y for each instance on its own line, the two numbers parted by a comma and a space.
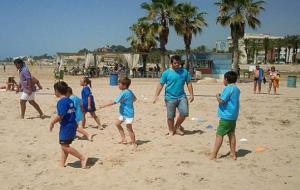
66, 141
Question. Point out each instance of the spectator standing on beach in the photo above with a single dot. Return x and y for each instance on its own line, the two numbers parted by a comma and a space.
258, 74
273, 80
4, 67
175, 97
27, 88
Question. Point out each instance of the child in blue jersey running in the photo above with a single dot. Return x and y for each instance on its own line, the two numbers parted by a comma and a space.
88, 102
228, 111
126, 99
79, 114
66, 117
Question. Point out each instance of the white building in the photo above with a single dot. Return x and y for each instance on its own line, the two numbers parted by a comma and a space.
259, 56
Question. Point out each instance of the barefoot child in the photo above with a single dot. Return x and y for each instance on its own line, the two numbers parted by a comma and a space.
79, 116
126, 99
88, 102
66, 117
228, 111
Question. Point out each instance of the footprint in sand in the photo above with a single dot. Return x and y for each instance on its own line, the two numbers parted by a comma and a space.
155, 179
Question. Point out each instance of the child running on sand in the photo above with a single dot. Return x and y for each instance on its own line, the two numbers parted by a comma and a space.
88, 102
79, 115
126, 99
66, 117
228, 111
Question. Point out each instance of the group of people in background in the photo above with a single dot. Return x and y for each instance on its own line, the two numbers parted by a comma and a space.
259, 77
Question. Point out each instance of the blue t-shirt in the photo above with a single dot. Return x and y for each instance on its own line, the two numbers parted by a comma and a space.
175, 81
126, 99
77, 102
261, 74
68, 125
229, 110
85, 93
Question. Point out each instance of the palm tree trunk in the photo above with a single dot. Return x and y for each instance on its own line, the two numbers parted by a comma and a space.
144, 59
266, 55
278, 54
235, 62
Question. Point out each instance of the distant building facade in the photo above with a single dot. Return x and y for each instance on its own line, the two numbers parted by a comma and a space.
259, 55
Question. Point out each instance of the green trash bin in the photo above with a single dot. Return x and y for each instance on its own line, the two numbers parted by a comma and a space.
291, 82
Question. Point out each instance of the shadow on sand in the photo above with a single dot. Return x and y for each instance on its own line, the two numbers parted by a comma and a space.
240, 153
38, 117
90, 163
140, 142
193, 132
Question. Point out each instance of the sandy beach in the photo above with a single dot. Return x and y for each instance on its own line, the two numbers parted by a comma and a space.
30, 153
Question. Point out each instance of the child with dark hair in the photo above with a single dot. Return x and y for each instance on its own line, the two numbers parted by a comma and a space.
79, 115
228, 111
66, 117
126, 99
88, 102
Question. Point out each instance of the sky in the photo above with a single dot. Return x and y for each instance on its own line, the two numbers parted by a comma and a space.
35, 27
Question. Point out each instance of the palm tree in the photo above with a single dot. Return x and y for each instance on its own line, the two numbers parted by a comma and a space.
160, 13
188, 21
142, 40
277, 45
237, 14
267, 45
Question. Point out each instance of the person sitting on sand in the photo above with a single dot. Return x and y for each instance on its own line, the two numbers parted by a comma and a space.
273, 80
67, 118
175, 79
79, 115
228, 111
126, 99
258, 74
10, 85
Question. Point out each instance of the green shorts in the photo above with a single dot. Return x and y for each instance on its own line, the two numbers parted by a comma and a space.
225, 127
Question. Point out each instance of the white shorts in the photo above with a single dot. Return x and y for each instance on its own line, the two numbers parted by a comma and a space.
127, 120
25, 96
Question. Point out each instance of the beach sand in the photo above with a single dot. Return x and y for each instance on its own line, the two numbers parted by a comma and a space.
269, 159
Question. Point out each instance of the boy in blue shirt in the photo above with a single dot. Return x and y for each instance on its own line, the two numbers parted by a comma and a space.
228, 111
126, 99
67, 119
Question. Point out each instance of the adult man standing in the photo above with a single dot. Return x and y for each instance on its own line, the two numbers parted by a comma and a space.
258, 74
27, 88
175, 97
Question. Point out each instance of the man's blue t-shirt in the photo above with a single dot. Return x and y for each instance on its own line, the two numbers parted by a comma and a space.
68, 125
85, 93
229, 110
77, 103
175, 81
261, 74
126, 99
